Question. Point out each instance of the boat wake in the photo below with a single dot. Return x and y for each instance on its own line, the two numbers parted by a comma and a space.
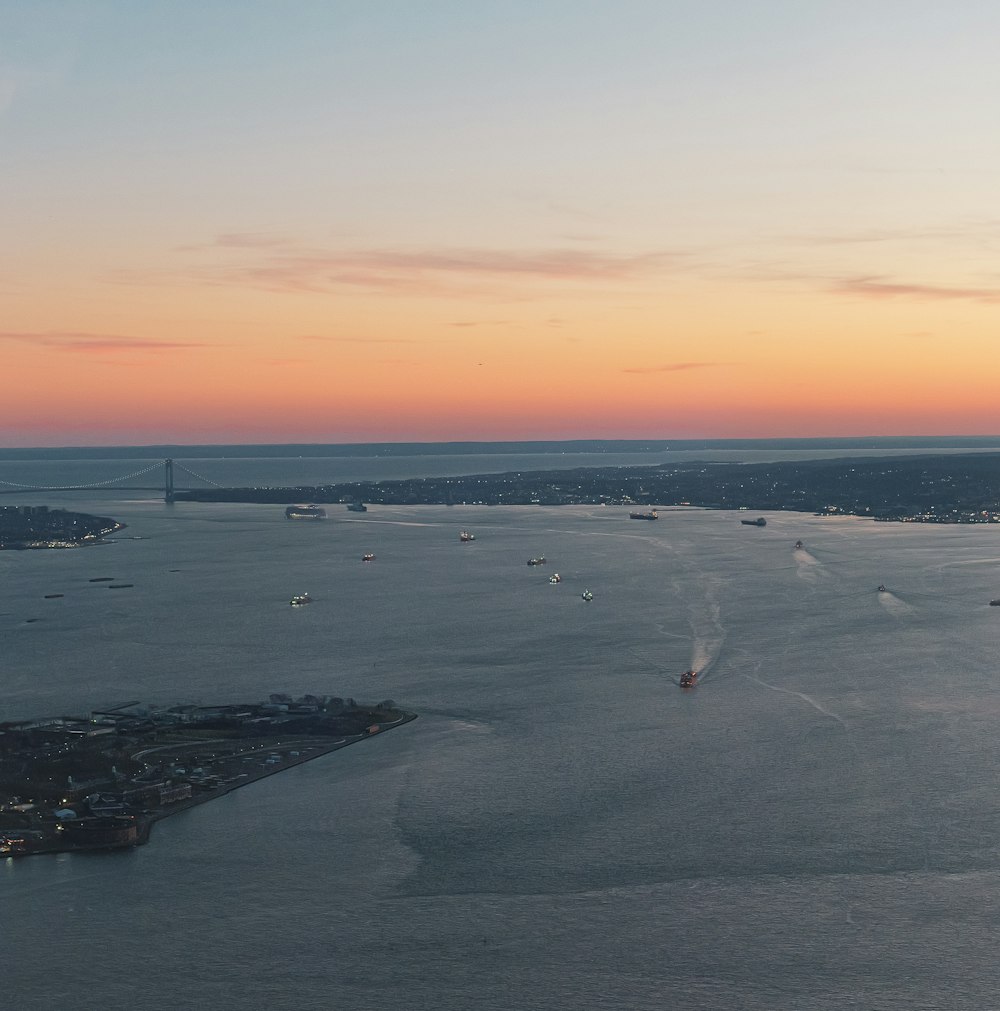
893, 605
808, 699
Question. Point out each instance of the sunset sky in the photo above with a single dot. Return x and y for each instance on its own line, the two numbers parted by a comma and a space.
377, 220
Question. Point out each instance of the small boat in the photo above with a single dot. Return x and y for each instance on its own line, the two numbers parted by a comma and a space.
368, 557
52, 596
555, 578
299, 599
103, 579
651, 515
799, 546
995, 602
357, 507
881, 588
759, 522
689, 679
587, 595
537, 561
465, 536
119, 586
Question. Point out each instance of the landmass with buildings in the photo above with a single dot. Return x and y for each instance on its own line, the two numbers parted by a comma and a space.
946, 488
38, 526
102, 781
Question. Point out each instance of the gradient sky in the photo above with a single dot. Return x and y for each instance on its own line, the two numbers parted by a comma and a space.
333, 221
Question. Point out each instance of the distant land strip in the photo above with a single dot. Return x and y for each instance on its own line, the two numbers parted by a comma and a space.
931, 489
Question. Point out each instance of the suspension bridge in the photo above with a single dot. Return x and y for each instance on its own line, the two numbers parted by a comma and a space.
121, 482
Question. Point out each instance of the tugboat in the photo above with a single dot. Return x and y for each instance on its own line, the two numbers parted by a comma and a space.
300, 599
537, 561
799, 546
555, 578
651, 515
689, 679
465, 536
759, 522
368, 557
587, 595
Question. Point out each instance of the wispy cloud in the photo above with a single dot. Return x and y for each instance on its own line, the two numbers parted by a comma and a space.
238, 240
973, 230
643, 370
94, 343
480, 322
357, 340
281, 267
880, 288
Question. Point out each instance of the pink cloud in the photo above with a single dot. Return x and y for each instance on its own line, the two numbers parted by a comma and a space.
674, 367
428, 271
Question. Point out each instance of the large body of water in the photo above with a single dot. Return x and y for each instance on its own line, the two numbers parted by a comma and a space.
816, 826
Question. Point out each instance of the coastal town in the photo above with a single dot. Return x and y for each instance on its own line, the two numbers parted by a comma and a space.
103, 780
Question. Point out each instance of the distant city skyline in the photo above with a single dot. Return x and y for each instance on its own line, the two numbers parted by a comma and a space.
344, 221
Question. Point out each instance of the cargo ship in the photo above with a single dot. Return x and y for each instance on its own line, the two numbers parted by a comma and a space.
651, 515
305, 512
759, 522
689, 679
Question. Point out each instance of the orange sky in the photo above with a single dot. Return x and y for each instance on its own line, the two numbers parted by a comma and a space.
369, 228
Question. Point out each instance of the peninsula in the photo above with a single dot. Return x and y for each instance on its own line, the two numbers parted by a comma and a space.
38, 526
102, 781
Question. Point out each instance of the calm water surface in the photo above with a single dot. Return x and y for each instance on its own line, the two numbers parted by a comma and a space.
814, 827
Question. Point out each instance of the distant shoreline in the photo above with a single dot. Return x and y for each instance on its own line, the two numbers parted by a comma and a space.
498, 448
959, 488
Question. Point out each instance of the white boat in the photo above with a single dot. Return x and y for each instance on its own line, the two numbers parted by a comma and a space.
555, 578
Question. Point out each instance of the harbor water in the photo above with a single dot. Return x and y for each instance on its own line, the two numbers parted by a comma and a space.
815, 826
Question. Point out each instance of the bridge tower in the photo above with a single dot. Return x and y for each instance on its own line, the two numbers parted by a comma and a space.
168, 486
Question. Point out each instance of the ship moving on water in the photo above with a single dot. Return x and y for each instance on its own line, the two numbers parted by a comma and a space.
300, 599
305, 512
587, 596
759, 522
651, 515
689, 679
